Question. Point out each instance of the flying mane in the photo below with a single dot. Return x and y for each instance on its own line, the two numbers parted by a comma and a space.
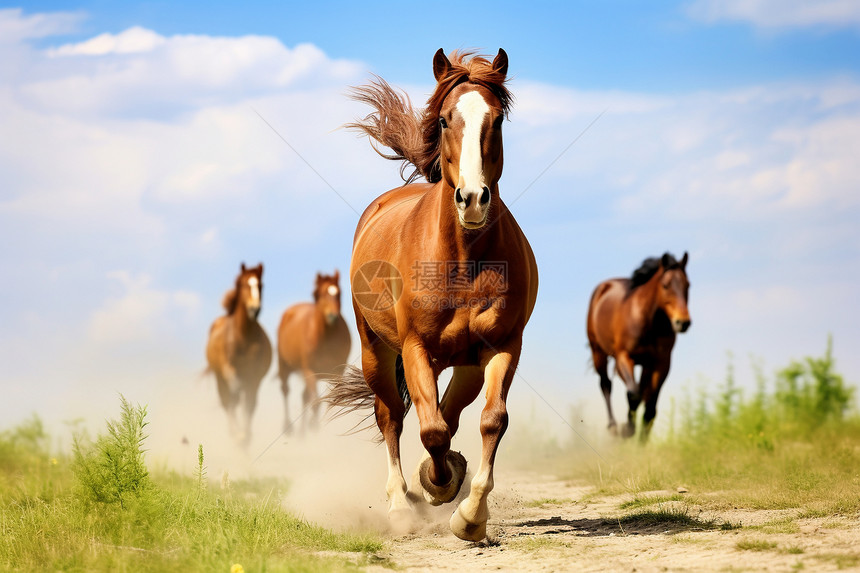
414, 135
649, 268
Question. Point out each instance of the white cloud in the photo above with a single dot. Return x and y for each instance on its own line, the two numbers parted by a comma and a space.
783, 147
140, 313
779, 13
15, 26
131, 41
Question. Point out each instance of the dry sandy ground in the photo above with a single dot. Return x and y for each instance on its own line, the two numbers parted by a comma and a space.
339, 481
576, 532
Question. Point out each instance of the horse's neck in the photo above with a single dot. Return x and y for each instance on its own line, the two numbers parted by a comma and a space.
241, 323
646, 297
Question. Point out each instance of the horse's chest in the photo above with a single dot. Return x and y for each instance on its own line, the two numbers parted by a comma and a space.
456, 335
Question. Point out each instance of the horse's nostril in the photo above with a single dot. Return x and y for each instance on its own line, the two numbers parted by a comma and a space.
458, 197
485, 196
685, 324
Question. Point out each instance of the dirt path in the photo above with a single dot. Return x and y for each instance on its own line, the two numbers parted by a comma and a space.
542, 524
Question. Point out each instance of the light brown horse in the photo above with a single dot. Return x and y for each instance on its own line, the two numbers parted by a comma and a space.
635, 321
442, 276
239, 352
313, 339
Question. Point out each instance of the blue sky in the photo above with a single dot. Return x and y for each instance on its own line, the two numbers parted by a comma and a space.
138, 175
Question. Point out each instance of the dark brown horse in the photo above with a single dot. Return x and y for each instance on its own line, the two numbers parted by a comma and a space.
442, 276
635, 321
313, 339
239, 352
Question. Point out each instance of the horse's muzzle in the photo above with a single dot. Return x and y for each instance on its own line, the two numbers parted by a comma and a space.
681, 325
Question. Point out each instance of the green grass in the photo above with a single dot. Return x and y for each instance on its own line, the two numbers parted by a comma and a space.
648, 500
794, 443
671, 517
100, 509
755, 545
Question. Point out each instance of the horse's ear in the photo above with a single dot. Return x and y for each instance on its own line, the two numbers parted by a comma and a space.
243, 267
336, 276
500, 64
683, 262
666, 260
260, 267
441, 65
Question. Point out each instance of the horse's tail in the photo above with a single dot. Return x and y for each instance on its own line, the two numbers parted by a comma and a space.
395, 124
349, 393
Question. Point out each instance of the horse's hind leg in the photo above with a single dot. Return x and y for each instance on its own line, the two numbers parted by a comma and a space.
601, 361
624, 365
378, 365
443, 473
469, 521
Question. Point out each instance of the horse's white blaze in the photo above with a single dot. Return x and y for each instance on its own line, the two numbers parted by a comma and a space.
254, 284
332, 290
473, 108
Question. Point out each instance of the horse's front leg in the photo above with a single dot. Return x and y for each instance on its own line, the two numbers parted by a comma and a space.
310, 400
652, 382
624, 366
469, 521
442, 474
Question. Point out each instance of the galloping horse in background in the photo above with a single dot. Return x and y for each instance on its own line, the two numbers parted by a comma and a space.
471, 275
313, 339
635, 321
239, 352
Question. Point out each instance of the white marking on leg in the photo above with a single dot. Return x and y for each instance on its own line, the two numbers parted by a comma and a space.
396, 486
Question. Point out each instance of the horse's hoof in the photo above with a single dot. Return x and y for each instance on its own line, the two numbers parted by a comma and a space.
466, 530
437, 495
628, 430
613, 430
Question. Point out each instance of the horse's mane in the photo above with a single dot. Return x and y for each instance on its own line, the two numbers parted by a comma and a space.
413, 135
229, 301
649, 268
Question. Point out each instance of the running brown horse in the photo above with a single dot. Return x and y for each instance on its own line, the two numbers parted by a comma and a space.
239, 352
313, 339
442, 276
635, 321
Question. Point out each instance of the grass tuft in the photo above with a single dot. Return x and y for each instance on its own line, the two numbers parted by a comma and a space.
755, 545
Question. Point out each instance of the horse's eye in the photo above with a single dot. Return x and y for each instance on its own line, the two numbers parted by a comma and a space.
442, 122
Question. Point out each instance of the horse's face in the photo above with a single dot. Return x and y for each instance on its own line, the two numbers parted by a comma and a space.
470, 154
327, 296
250, 287
673, 294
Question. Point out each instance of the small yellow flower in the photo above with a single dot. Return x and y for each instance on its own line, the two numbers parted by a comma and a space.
53, 461
237, 568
